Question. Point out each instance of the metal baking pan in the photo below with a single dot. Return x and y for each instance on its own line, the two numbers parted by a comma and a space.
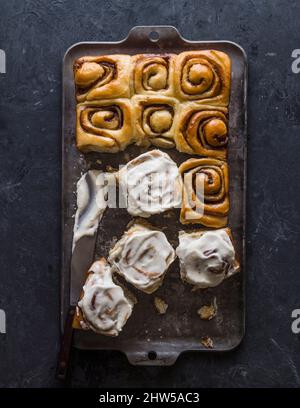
149, 338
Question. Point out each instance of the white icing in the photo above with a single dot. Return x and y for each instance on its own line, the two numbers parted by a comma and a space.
104, 305
206, 259
91, 204
142, 256
152, 183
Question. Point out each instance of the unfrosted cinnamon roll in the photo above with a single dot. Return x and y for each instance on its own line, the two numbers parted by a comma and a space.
203, 76
205, 192
151, 184
142, 257
154, 120
102, 77
104, 126
202, 130
103, 307
206, 257
152, 74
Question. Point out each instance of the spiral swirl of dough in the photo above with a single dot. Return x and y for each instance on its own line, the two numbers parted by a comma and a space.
104, 306
151, 183
206, 258
142, 257
157, 120
205, 192
203, 131
102, 77
155, 74
97, 119
104, 126
203, 76
90, 73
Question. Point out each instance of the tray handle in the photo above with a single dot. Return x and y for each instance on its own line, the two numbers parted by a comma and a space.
153, 35
152, 358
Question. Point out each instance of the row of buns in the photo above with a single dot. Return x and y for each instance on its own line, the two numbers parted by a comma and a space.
113, 124
203, 76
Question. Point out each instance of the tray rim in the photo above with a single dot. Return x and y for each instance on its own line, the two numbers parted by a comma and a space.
243, 259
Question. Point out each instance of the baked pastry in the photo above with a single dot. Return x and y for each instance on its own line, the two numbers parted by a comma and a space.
206, 257
103, 307
154, 120
102, 77
152, 74
142, 256
151, 184
203, 76
205, 192
104, 126
91, 203
202, 130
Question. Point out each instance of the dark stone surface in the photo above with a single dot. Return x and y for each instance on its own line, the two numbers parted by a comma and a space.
35, 36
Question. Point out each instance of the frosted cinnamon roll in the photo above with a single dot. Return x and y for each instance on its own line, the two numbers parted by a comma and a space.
205, 192
142, 257
203, 76
151, 184
152, 74
206, 257
202, 130
104, 126
154, 120
102, 77
103, 307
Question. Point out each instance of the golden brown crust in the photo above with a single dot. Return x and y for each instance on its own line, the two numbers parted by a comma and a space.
153, 74
202, 130
104, 126
209, 207
203, 76
154, 120
102, 77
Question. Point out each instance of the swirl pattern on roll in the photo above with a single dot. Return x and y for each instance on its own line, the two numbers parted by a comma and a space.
206, 257
203, 76
101, 77
142, 257
103, 307
155, 120
104, 126
153, 74
151, 183
202, 130
205, 192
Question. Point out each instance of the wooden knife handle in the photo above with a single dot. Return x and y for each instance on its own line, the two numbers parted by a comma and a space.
65, 347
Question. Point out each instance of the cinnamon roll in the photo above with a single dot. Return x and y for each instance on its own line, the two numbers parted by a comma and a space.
203, 76
151, 184
102, 77
103, 307
142, 257
152, 74
206, 257
205, 192
202, 130
154, 120
104, 126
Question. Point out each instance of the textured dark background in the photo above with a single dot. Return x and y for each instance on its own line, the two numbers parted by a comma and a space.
35, 35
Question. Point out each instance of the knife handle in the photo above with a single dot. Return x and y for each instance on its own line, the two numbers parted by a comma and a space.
65, 347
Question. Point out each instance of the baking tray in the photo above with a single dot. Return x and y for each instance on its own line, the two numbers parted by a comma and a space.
149, 338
